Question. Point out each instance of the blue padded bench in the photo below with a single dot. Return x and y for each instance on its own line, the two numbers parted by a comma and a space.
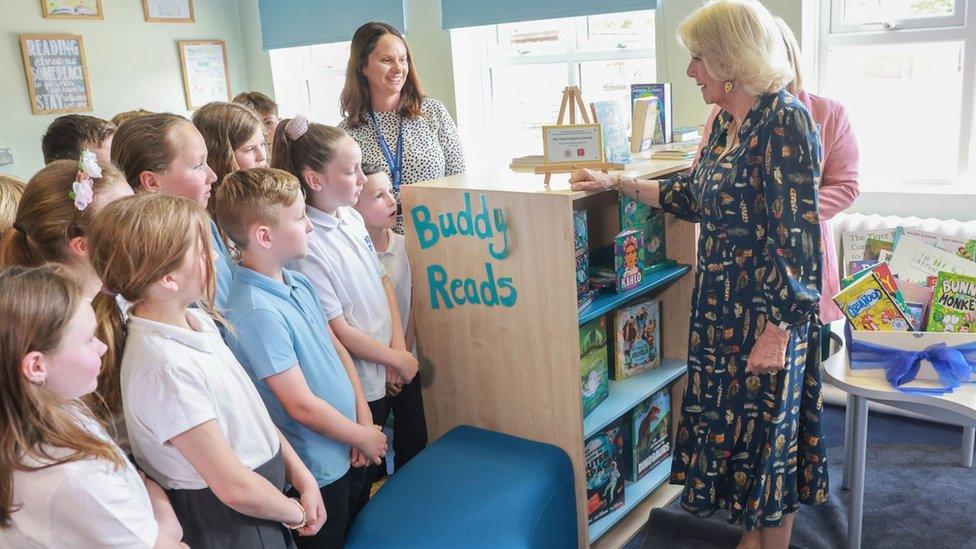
474, 488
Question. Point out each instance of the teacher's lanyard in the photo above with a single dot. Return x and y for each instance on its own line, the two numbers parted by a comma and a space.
395, 162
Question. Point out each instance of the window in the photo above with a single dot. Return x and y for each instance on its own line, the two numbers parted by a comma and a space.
309, 79
906, 72
509, 77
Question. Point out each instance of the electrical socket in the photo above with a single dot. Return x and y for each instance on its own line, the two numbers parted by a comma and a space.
6, 157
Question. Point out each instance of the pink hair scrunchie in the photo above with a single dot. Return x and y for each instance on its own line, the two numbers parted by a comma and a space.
296, 127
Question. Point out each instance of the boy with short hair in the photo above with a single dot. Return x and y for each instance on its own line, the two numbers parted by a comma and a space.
70, 134
378, 208
267, 111
304, 375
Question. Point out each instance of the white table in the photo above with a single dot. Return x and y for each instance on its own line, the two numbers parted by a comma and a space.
957, 407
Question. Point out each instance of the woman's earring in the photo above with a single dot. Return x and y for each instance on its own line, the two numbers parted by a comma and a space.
729, 86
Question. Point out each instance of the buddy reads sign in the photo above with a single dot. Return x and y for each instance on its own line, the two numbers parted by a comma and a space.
486, 225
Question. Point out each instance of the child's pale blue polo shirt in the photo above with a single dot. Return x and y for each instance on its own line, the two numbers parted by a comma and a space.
278, 326
224, 268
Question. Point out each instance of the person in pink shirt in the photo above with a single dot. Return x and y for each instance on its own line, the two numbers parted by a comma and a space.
838, 182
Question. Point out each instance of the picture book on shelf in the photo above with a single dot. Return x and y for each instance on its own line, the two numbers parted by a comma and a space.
604, 478
627, 262
647, 442
611, 117
645, 130
635, 215
918, 262
868, 306
953, 304
593, 363
662, 92
636, 339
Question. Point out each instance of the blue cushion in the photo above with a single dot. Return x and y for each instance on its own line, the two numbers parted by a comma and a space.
474, 488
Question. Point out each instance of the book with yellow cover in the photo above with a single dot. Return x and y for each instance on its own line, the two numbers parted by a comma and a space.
868, 306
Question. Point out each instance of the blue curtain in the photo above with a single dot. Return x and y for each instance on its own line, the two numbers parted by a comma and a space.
288, 23
472, 13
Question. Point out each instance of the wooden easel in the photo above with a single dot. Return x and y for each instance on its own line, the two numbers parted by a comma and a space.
571, 102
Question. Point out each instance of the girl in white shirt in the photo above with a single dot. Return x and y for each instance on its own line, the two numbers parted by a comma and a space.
196, 423
63, 482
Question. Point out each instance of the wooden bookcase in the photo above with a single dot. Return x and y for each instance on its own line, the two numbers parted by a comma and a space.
513, 366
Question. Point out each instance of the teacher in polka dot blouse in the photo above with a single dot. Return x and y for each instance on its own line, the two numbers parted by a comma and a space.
386, 112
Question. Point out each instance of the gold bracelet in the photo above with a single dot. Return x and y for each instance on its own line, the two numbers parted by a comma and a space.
304, 522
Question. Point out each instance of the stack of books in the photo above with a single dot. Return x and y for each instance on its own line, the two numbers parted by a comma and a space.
676, 151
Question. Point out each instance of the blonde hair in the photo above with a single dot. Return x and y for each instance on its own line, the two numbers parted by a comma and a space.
313, 149
36, 305
147, 143
129, 115
225, 127
46, 221
738, 40
11, 189
139, 239
254, 196
792, 53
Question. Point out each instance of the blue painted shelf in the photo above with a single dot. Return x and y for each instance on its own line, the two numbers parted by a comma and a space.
609, 300
634, 493
628, 393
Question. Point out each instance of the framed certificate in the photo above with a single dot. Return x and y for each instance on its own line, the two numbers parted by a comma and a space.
206, 77
168, 11
566, 145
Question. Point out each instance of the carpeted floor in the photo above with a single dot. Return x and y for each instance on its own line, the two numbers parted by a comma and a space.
917, 496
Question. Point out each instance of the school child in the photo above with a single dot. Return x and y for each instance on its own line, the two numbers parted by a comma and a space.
378, 208
70, 134
349, 279
124, 116
63, 483
196, 423
305, 376
11, 189
165, 153
52, 224
235, 140
266, 108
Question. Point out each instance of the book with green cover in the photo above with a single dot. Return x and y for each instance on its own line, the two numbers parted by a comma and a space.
953, 304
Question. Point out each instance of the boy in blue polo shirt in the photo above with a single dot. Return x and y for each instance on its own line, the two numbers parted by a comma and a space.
304, 375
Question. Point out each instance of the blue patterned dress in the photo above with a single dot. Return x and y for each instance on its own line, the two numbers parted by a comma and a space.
752, 444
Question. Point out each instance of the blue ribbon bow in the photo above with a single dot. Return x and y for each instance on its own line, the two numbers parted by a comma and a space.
954, 365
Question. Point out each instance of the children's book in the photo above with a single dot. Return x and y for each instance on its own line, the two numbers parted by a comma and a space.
969, 250
604, 478
644, 131
918, 262
627, 261
887, 280
648, 440
593, 363
953, 304
662, 92
951, 244
854, 267
613, 120
868, 306
637, 216
582, 274
855, 241
874, 246
636, 339
580, 232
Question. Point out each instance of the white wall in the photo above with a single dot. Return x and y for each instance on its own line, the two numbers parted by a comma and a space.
131, 64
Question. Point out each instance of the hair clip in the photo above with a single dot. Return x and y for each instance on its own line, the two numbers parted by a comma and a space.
81, 190
296, 127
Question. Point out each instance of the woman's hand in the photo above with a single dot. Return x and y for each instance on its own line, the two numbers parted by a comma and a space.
311, 499
769, 353
589, 180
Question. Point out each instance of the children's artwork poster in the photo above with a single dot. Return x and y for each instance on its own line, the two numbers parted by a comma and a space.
572, 144
476, 220
56, 72
205, 74
71, 9
168, 11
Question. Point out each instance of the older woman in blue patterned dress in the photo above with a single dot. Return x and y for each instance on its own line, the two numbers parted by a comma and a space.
749, 440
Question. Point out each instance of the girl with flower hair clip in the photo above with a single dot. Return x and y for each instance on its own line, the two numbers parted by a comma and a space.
52, 224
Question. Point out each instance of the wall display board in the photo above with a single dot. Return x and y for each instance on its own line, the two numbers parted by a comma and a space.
56, 72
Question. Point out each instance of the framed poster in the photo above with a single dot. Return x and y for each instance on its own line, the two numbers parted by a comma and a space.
57, 73
168, 11
72, 9
572, 144
206, 77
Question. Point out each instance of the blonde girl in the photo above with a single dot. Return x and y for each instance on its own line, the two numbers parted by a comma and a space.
52, 224
63, 483
165, 153
234, 136
196, 423
11, 189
